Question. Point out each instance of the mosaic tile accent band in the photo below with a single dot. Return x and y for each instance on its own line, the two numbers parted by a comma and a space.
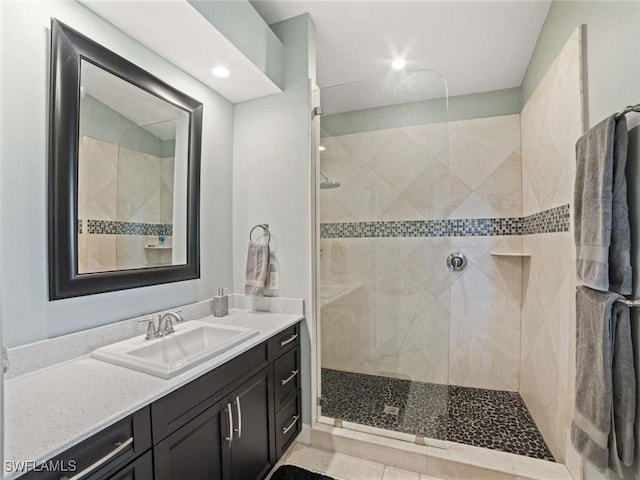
549, 221
554, 220
111, 227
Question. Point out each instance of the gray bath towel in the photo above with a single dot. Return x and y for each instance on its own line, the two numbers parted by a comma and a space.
624, 386
257, 268
620, 272
600, 206
602, 426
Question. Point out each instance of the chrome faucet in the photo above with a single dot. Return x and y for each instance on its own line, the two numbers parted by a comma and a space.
165, 325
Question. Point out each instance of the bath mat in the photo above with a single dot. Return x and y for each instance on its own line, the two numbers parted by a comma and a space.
291, 472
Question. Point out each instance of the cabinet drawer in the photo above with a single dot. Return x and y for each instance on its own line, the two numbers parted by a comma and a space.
286, 375
284, 341
107, 451
176, 409
288, 424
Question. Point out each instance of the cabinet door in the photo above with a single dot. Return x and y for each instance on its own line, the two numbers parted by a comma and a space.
250, 450
141, 469
194, 451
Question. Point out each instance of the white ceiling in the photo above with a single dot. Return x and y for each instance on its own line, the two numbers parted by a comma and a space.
476, 45
179, 33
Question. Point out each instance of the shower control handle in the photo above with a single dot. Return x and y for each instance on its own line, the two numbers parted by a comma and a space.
457, 261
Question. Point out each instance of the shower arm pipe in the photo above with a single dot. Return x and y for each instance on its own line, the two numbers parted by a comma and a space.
326, 179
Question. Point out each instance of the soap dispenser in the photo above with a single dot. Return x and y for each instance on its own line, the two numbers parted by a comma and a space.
220, 304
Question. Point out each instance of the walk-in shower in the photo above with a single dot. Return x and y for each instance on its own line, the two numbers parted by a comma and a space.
408, 346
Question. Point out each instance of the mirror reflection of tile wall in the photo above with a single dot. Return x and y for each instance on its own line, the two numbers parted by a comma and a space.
125, 206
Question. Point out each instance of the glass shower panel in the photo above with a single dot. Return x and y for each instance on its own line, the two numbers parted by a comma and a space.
384, 283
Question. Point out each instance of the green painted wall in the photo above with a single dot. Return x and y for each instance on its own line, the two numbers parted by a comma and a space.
99, 121
271, 162
612, 61
27, 315
476, 105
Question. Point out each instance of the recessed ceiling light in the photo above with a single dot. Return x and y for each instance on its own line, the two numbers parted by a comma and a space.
322, 148
220, 71
398, 64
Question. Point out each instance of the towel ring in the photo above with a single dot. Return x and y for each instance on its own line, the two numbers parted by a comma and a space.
265, 228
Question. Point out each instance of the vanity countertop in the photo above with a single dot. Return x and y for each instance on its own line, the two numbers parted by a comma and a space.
52, 409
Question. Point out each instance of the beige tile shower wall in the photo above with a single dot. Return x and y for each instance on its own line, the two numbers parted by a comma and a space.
139, 186
464, 169
97, 179
131, 252
552, 121
116, 183
166, 190
97, 193
394, 319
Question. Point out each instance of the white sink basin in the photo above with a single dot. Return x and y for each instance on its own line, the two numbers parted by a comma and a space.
191, 344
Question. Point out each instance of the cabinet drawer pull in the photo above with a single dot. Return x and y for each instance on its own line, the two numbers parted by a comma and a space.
294, 420
230, 414
120, 446
239, 411
288, 340
290, 377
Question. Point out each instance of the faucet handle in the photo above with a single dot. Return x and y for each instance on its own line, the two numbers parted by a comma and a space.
151, 327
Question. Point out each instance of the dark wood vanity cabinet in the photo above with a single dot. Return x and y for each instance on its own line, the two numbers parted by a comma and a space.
232, 423
230, 440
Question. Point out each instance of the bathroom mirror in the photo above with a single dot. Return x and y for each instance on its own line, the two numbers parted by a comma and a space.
124, 173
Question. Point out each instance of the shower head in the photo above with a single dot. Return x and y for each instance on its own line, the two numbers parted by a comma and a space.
327, 184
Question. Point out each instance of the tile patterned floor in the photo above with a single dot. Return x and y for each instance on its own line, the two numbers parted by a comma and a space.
343, 467
483, 418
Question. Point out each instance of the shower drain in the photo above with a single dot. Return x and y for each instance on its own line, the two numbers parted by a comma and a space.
391, 410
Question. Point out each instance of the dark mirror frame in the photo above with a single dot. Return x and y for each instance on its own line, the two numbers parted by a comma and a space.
68, 48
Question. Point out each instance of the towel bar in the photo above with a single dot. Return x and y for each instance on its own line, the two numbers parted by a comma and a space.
629, 303
630, 108
263, 226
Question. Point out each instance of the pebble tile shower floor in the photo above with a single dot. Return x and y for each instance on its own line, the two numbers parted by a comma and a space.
483, 418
